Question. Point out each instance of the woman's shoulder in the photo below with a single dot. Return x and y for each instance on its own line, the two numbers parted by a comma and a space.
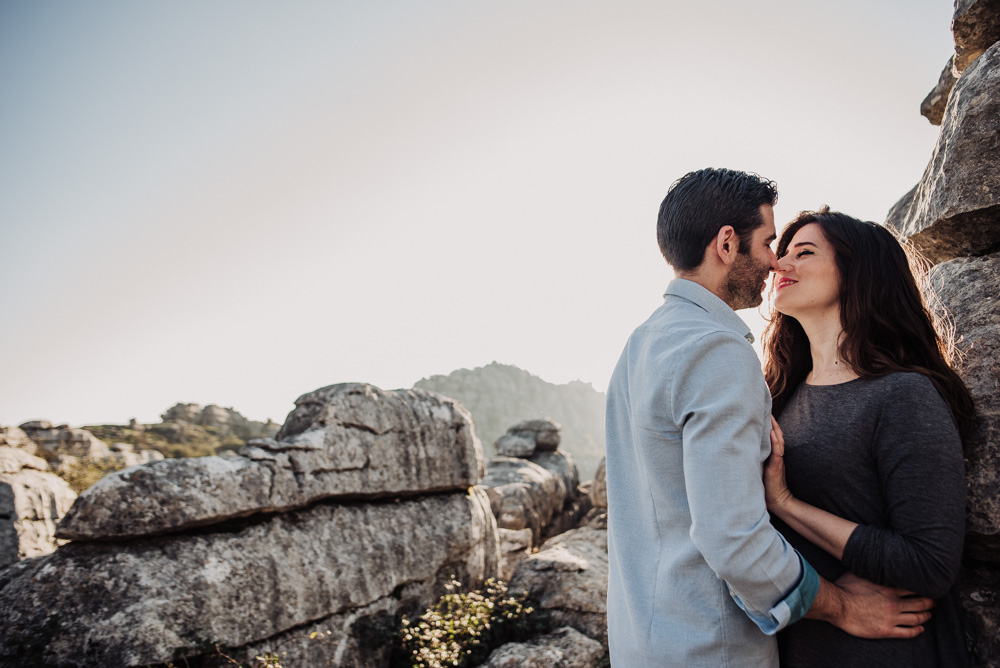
911, 393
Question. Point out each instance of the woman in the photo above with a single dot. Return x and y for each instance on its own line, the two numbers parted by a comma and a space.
872, 419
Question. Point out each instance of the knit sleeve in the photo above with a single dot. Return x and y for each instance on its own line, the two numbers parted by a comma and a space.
918, 457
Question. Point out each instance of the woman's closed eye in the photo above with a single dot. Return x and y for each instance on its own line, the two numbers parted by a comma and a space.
803, 252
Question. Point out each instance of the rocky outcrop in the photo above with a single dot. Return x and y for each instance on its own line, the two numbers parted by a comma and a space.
523, 495
970, 287
347, 441
155, 600
224, 420
32, 500
976, 27
499, 395
248, 576
953, 216
932, 108
64, 440
568, 577
563, 648
15, 437
955, 209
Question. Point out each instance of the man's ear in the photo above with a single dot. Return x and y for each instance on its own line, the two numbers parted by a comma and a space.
727, 244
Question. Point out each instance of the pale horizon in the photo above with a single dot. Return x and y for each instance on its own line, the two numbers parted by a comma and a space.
236, 203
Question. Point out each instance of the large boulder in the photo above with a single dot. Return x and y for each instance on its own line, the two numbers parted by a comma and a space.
349, 441
955, 209
563, 648
32, 500
975, 27
523, 495
970, 289
568, 577
154, 600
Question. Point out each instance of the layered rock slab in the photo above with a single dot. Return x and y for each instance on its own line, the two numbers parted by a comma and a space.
348, 441
568, 577
955, 209
32, 500
970, 290
158, 599
563, 648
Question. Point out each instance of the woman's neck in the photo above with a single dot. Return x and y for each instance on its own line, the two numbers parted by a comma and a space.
825, 333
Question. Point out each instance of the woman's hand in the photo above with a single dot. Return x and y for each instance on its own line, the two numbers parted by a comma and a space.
776, 492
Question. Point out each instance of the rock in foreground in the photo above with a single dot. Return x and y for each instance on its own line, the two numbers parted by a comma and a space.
350, 441
155, 600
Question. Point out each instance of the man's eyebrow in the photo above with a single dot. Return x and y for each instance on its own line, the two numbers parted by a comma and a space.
770, 239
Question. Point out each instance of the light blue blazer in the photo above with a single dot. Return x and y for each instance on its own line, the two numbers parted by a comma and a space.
698, 576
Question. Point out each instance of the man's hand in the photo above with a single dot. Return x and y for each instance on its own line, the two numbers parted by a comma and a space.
868, 610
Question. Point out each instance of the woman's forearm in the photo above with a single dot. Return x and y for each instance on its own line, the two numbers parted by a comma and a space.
817, 526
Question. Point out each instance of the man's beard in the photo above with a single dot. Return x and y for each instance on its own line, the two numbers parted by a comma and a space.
744, 284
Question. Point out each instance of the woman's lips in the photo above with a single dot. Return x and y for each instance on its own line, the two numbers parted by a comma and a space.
785, 282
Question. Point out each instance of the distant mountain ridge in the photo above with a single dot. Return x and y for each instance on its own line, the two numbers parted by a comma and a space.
501, 395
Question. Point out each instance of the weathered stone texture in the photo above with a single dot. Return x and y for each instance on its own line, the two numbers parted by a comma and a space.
563, 648
32, 500
153, 600
980, 591
970, 289
351, 440
599, 488
932, 108
522, 494
955, 209
975, 27
568, 577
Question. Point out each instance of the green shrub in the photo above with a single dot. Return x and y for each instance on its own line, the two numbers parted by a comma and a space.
463, 629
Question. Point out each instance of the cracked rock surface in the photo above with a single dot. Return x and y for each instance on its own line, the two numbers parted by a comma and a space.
350, 441
154, 600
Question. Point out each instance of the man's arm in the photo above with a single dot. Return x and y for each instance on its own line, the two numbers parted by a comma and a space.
868, 610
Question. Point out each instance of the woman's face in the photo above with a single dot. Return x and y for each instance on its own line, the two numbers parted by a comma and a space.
807, 281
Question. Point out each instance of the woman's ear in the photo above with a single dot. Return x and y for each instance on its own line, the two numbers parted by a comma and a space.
727, 244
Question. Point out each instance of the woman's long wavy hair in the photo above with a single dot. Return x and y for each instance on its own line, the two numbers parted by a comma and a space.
887, 326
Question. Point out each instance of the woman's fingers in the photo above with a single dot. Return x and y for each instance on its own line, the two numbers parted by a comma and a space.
777, 439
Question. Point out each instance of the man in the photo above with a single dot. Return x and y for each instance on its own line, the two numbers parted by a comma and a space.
698, 576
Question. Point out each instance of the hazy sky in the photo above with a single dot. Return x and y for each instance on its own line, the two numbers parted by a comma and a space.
239, 202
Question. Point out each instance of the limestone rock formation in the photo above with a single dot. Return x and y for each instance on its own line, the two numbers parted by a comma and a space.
16, 438
153, 600
932, 108
523, 495
61, 441
499, 395
350, 440
599, 488
224, 420
515, 544
970, 287
975, 26
563, 648
32, 500
568, 577
955, 209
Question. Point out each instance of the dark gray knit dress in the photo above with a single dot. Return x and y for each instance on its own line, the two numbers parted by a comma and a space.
884, 453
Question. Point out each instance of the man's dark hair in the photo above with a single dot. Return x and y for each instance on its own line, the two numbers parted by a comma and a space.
701, 203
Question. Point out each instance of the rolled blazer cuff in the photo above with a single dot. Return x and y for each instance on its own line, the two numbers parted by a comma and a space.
791, 608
